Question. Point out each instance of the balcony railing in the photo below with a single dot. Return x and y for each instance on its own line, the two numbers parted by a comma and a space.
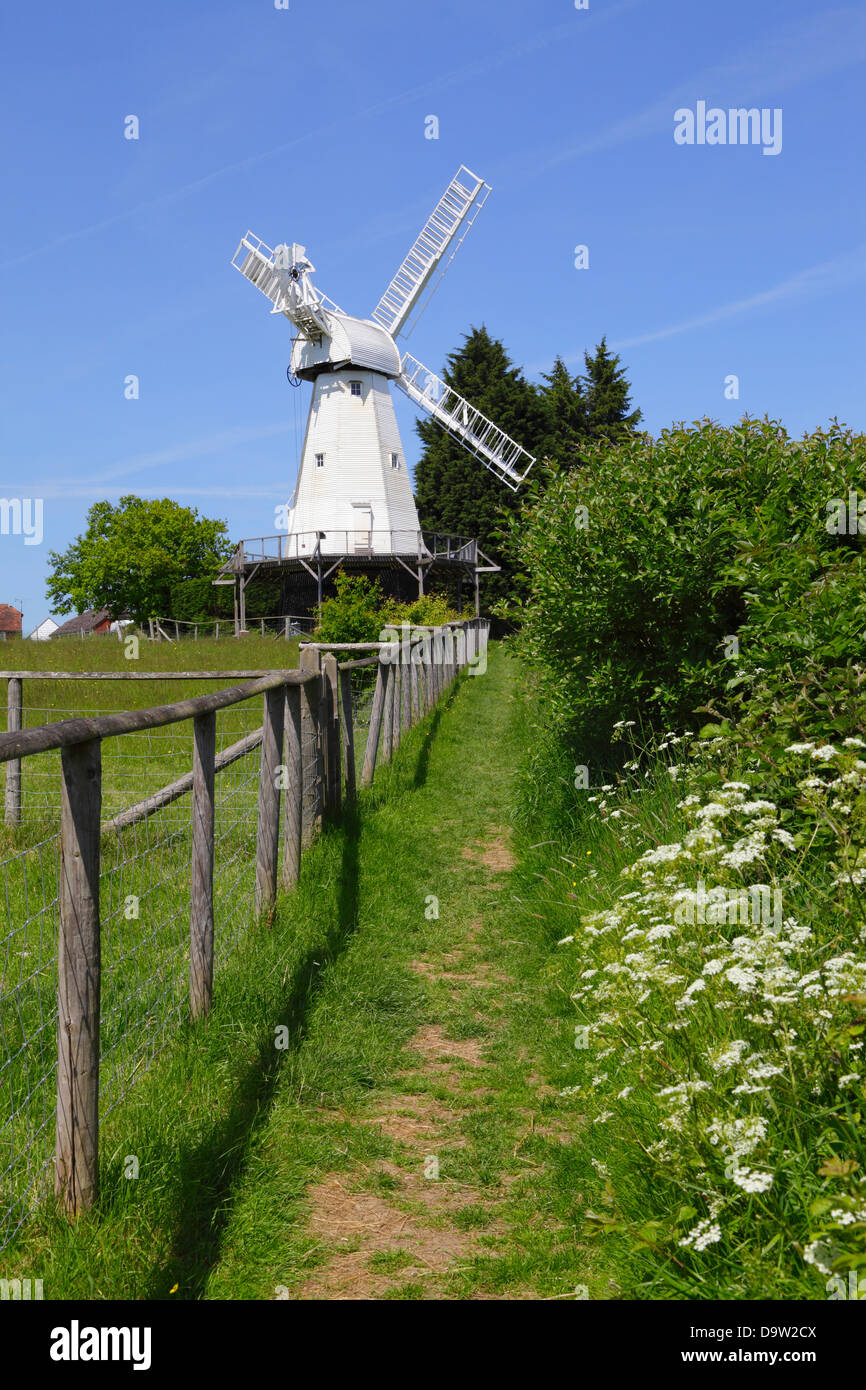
309, 545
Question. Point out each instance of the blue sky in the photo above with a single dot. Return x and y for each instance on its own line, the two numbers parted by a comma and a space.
308, 124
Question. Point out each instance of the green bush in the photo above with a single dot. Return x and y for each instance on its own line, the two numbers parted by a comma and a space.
353, 614
644, 565
359, 611
431, 610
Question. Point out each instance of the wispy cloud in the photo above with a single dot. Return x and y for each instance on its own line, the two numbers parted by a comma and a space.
814, 280
278, 491
805, 51
182, 452
467, 73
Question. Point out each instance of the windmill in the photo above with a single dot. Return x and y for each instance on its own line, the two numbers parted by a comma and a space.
353, 496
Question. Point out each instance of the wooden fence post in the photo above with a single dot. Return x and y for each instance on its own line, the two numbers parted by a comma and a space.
375, 728
13, 768
347, 720
406, 687
201, 887
396, 687
268, 831
310, 660
294, 809
436, 664
388, 726
76, 1169
415, 685
330, 685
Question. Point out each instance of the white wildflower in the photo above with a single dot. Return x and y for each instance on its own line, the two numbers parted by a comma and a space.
743, 978
729, 1056
825, 753
706, 1233
751, 1180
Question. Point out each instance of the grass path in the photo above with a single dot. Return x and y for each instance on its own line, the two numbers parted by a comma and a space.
445, 1172
406, 1139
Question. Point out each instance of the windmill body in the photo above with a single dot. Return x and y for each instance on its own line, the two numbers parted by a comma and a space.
353, 495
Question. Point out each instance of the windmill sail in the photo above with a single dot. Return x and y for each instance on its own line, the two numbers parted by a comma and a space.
442, 233
292, 294
496, 449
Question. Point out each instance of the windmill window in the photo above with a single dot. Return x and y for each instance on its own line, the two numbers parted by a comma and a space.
355, 388
320, 460
395, 460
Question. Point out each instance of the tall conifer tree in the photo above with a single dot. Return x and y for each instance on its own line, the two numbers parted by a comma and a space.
606, 392
454, 492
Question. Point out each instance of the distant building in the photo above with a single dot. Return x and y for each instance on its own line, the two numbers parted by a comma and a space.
94, 621
43, 631
10, 622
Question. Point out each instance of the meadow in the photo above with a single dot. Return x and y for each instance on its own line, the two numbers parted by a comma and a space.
144, 879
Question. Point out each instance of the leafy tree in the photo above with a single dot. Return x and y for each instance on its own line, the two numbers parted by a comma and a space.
605, 391
454, 492
132, 555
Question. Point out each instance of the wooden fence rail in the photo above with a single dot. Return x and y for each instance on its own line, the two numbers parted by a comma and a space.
310, 709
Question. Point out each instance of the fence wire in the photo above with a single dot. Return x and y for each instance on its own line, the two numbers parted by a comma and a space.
144, 915
145, 761
144, 924
363, 681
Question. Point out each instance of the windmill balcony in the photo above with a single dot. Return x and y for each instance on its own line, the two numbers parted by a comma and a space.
302, 545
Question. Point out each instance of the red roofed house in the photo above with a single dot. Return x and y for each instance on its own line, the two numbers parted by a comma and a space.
93, 621
10, 622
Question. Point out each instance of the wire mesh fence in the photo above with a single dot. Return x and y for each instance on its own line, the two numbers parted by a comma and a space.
363, 685
143, 761
144, 892
181, 630
144, 905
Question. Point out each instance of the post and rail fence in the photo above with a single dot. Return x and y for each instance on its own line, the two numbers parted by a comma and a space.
325, 727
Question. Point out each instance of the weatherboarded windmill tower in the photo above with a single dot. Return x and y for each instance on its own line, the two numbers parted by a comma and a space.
353, 502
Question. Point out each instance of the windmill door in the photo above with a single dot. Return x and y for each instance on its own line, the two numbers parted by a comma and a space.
363, 528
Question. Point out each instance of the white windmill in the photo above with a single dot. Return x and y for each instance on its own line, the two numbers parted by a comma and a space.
353, 495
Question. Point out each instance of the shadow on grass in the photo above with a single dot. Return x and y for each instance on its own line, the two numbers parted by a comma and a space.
212, 1171
422, 765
